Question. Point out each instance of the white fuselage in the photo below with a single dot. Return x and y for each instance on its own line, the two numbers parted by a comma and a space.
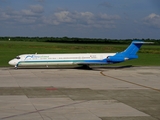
60, 59
79, 59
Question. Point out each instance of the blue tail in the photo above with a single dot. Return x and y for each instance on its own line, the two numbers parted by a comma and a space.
128, 54
132, 50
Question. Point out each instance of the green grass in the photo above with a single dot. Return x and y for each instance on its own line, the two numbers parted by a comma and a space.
149, 55
145, 59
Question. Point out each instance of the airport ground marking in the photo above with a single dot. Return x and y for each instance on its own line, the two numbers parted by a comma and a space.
41, 110
102, 73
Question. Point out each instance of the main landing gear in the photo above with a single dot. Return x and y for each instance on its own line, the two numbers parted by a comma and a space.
86, 67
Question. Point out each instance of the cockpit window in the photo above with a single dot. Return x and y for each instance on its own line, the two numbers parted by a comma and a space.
18, 57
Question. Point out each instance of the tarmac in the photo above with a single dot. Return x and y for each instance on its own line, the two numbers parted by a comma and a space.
69, 93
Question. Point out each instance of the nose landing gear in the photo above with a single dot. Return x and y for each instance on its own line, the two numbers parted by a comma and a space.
16, 66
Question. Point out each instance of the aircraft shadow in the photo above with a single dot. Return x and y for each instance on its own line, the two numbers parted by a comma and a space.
97, 68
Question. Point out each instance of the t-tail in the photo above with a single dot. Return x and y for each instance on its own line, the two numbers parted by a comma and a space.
128, 54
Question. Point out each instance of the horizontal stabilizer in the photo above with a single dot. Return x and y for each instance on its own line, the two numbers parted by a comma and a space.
142, 42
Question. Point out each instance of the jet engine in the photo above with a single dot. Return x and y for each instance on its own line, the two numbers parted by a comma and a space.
116, 59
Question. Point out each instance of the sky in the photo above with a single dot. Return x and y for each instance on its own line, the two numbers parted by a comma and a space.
112, 19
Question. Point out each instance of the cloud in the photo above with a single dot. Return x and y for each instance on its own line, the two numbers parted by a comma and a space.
33, 10
63, 17
152, 20
34, 14
83, 19
37, 8
4, 15
25, 16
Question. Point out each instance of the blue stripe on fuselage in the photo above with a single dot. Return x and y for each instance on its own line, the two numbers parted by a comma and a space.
60, 61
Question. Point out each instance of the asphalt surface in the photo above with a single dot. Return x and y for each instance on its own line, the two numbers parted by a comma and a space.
69, 93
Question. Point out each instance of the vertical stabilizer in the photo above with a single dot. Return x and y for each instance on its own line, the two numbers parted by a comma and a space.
128, 54
133, 48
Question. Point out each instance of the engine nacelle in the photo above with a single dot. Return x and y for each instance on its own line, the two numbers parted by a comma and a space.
116, 59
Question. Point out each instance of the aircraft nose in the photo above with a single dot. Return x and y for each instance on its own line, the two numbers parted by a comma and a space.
12, 62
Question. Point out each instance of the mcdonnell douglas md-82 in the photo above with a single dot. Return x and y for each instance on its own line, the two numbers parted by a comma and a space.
84, 59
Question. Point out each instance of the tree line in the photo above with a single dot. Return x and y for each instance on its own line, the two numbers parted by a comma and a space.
77, 40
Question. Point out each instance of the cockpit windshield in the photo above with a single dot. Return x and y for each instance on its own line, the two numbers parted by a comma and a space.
17, 57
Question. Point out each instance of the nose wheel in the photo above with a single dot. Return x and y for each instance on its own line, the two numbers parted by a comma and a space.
16, 66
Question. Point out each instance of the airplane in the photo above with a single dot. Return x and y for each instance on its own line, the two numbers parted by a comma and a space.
84, 59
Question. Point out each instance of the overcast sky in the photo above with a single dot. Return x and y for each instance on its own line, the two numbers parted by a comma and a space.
120, 19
